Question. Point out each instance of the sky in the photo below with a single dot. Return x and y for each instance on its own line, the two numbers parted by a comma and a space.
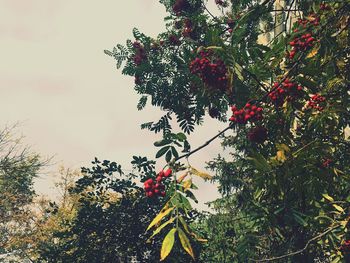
70, 101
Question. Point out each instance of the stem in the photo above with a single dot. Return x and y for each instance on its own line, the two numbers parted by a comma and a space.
203, 145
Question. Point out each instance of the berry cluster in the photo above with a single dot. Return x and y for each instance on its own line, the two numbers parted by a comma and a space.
188, 28
249, 112
316, 102
326, 162
174, 40
181, 6
312, 20
257, 134
210, 69
324, 7
302, 43
137, 80
345, 247
285, 90
157, 188
140, 53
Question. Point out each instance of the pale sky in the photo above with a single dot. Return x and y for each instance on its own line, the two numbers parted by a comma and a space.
71, 101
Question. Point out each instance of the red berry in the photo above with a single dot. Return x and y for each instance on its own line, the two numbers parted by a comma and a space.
150, 194
149, 181
168, 172
159, 179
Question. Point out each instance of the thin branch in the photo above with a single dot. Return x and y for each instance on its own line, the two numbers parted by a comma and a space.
298, 251
203, 145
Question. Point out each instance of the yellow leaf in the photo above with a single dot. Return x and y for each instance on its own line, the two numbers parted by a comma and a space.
214, 47
157, 231
185, 242
339, 208
198, 238
329, 198
187, 184
282, 147
201, 174
182, 177
280, 156
167, 244
313, 52
159, 217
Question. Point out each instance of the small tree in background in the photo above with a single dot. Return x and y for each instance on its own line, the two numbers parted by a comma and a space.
18, 168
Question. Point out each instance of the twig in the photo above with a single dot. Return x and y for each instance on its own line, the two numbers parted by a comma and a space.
298, 251
203, 145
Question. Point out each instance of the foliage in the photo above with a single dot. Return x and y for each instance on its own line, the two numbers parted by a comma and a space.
18, 168
101, 217
286, 188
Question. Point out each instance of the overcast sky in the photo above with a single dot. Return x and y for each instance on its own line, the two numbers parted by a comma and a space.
69, 98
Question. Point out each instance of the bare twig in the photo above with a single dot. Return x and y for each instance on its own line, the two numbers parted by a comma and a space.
298, 251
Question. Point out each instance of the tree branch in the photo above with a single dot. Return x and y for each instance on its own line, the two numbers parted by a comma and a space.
298, 251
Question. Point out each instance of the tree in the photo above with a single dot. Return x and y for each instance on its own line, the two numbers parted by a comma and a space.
18, 168
102, 218
287, 184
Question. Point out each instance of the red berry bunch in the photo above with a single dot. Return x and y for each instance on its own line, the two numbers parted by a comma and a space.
317, 102
181, 6
324, 7
140, 53
326, 162
174, 40
345, 247
138, 80
188, 28
210, 69
285, 90
302, 43
249, 112
312, 20
156, 188
257, 134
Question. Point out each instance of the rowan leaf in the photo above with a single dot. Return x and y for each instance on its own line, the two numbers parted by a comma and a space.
313, 52
203, 175
159, 217
167, 244
185, 242
157, 231
187, 184
339, 208
329, 198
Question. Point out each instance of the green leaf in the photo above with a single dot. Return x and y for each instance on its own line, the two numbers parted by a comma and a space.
184, 224
259, 161
162, 151
181, 136
239, 71
168, 156
185, 242
299, 219
167, 244
162, 142
159, 217
174, 152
